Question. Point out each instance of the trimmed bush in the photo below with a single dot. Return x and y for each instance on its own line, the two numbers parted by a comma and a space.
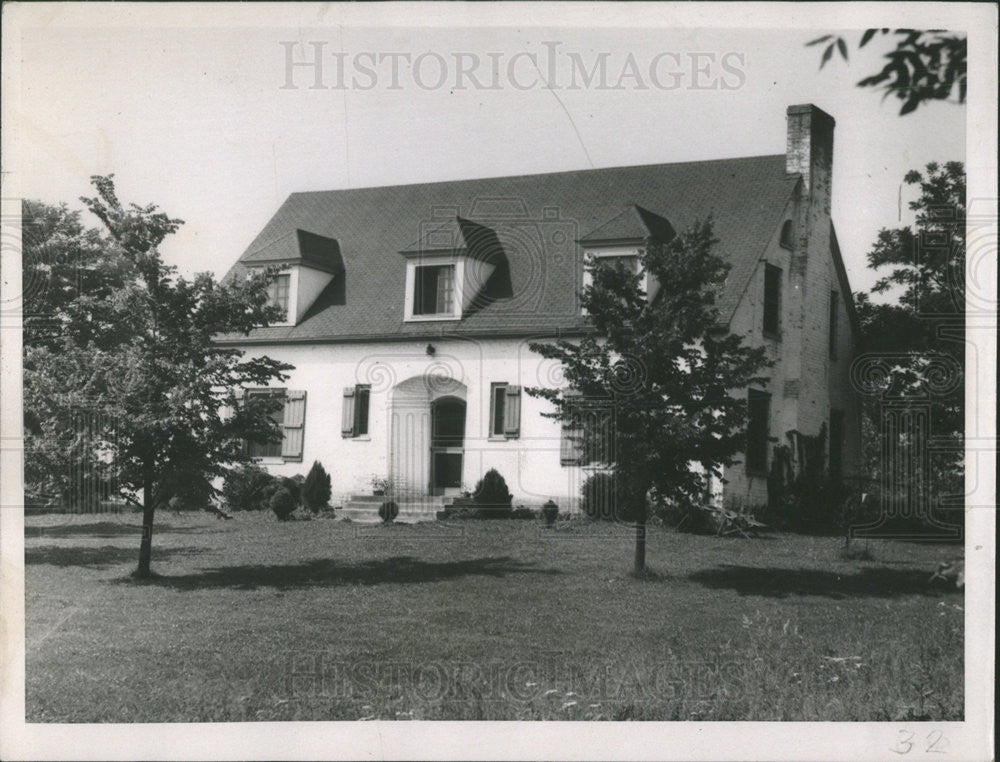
247, 488
316, 490
551, 512
283, 503
388, 511
492, 498
522, 513
604, 500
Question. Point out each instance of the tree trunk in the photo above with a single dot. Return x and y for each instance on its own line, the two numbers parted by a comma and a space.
640, 545
146, 546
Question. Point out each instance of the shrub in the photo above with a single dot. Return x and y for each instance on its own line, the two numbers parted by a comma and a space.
492, 496
551, 512
522, 513
283, 503
388, 511
247, 488
316, 488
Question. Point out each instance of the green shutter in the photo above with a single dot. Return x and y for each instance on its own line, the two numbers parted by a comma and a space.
512, 412
294, 425
347, 418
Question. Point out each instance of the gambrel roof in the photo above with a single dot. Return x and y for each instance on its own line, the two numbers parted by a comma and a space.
540, 222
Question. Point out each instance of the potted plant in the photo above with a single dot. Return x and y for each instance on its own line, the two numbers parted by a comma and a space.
380, 485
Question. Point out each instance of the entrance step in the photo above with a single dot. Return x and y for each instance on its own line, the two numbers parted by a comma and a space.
363, 509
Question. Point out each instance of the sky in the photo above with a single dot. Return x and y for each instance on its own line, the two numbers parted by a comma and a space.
206, 119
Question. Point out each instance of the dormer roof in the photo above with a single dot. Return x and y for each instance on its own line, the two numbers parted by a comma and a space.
634, 224
298, 247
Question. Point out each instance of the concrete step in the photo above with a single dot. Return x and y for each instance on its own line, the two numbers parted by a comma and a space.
410, 511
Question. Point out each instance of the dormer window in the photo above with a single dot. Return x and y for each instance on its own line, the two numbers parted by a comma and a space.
306, 263
448, 268
278, 291
434, 290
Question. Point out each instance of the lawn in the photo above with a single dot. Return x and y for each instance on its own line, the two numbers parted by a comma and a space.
255, 619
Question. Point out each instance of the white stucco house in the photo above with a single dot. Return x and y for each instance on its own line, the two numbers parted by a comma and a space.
411, 308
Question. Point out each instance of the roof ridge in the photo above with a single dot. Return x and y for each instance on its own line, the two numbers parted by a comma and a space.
543, 174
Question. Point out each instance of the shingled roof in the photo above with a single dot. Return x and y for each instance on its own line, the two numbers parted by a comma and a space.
539, 221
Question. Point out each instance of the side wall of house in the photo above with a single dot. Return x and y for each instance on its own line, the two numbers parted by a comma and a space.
530, 463
805, 382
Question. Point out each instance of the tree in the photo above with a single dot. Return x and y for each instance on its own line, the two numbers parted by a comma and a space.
925, 65
922, 332
134, 357
657, 374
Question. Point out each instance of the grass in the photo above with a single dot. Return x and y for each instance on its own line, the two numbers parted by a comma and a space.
253, 619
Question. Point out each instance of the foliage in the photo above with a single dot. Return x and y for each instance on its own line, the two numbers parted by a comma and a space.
550, 511
283, 503
924, 66
492, 490
132, 382
522, 512
388, 511
316, 490
660, 372
245, 488
921, 336
600, 501
381, 485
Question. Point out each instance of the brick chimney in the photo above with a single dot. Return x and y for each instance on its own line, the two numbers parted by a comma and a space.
809, 154
810, 151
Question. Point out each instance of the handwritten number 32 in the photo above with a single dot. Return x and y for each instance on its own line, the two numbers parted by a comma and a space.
936, 742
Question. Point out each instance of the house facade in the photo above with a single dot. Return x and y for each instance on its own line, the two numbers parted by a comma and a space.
410, 310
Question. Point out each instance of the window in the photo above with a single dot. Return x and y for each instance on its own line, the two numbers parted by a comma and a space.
434, 290
354, 421
758, 430
836, 443
772, 299
505, 411
589, 438
834, 305
785, 241
277, 292
268, 449
629, 261
498, 393
290, 416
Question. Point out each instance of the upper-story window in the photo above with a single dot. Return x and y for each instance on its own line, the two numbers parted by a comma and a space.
278, 291
434, 290
627, 257
785, 241
834, 304
772, 300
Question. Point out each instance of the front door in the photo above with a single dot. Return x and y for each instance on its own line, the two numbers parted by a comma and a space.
447, 445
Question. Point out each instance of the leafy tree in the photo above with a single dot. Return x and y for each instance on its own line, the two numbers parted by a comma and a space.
134, 358
658, 375
923, 330
925, 65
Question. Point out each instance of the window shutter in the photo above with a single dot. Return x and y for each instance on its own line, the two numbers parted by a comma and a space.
570, 452
512, 412
347, 418
294, 425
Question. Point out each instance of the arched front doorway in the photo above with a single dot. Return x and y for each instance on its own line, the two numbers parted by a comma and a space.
426, 436
447, 445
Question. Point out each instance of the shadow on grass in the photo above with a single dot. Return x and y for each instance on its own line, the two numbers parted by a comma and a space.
106, 529
330, 573
95, 558
880, 582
